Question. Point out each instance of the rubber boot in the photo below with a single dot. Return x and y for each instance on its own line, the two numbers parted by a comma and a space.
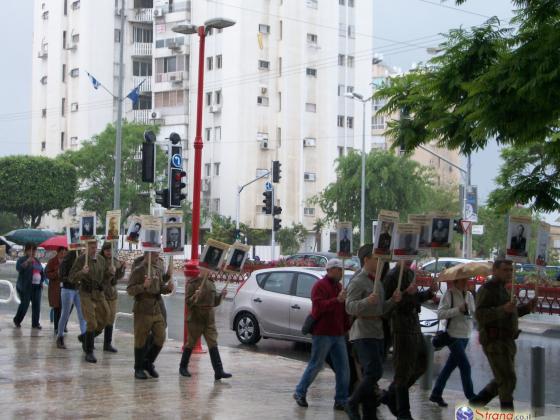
108, 339
507, 406
150, 358
184, 365
217, 364
482, 398
139, 364
90, 358
60, 343
388, 398
369, 410
403, 403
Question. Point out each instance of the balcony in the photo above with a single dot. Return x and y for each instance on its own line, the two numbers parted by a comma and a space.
142, 116
146, 86
175, 76
141, 15
141, 49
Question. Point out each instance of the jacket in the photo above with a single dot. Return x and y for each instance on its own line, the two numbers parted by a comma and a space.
52, 272
93, 282
110, 286
64, 270
25, 275
368, 322
147, 300
461, 324
329, 313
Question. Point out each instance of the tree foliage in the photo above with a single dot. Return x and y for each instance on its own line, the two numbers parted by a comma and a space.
291, 238
31, 186
392, 183
9, 221
223, 230
490, 82
95, 165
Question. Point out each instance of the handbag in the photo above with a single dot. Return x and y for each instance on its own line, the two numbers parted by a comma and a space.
308, 324
442, 338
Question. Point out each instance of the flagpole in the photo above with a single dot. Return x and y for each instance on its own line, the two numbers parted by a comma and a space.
118, 140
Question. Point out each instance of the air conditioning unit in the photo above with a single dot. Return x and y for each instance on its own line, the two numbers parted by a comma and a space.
176, 77
158, 12
264, 90
205, 184
264, 144
308, 176
74, 106
215, 108
309, 142
71, 47
155, 115
173, 45
43, 54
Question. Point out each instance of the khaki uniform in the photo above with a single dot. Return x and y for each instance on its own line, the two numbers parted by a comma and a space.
200, 318
110, 290
91, 286
148, 316
497, 333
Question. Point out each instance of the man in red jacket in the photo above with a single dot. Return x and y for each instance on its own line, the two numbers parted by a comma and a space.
331, 324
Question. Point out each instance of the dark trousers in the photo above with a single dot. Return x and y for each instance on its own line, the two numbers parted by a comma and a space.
31, 295
56, 313
457, 358
369, 352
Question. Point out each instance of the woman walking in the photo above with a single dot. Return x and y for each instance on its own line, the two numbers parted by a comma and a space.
52, 271
29, 286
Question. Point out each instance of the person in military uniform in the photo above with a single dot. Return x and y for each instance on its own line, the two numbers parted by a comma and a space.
497, 317
410, 358
91, 278
148, 317
111, 294
201, 299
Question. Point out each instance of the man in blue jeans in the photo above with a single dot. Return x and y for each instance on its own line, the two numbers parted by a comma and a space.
327, 297
29, 285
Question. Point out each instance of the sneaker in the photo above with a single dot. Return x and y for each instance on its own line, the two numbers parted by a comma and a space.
438, 400
60, 343
301, 401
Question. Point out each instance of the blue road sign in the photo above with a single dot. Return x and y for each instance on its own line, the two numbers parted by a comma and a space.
268, 186
177, 161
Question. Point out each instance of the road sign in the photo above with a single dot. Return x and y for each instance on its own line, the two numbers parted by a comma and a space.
177, 161
268, 186
466, 225
478, 229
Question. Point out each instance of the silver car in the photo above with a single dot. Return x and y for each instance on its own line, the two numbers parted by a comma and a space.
274, 302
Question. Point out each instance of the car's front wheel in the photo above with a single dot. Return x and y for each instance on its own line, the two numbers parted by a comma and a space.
247, 328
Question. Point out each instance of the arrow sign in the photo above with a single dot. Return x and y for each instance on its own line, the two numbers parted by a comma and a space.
177, 161
268, 186
466, 226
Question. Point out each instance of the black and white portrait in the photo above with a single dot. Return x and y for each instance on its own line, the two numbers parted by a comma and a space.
134, 230
236, 257
519, 230
213, 255
440, 232
173, 238
385, 236
73, 234
87, 225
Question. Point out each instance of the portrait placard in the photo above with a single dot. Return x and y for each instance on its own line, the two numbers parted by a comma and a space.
519, 232
344, 239
151, 233
543, 239
385, 233
2, 254
173, 238
236, 257
88, 225
173, 216
424, 221
134, 229
441, 230
213, 255
73, 237
112, 225
408, 237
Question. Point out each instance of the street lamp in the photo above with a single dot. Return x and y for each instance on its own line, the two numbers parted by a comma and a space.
360, 98
191, 266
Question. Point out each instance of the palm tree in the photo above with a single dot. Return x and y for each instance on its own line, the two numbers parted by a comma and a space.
317, 228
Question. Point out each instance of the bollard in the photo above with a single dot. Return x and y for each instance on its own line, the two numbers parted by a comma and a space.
426, 379
537, 376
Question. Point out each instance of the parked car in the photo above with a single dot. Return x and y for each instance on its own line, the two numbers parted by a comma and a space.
274, 302
319, 259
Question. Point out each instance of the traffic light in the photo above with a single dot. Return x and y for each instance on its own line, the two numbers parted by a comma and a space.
149, 157
276, 171
176, 173
277, 224
457, 226
277, 210
267, 202
162, 198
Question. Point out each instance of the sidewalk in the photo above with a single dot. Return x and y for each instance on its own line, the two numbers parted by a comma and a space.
39, 381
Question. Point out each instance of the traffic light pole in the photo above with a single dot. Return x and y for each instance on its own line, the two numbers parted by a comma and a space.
241, 188
272, 230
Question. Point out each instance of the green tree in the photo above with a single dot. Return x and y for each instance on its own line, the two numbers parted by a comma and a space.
31, 186
95, 165
291, 238
9, 221
392, 183
490, 82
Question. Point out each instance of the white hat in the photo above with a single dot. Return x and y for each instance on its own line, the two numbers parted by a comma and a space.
334, 263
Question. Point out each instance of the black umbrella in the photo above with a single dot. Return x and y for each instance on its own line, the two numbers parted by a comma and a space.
23, 236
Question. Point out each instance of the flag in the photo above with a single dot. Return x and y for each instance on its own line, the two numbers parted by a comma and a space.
96, 83
134, 94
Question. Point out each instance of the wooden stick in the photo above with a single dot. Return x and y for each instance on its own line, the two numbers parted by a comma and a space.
87, 253
378, 271
201, 286
401, 271
149, 264
112, 255
513, 283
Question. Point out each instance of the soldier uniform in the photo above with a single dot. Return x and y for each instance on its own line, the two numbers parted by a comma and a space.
201, 321
111, 294
410, 358
92, 298
148, 316
498, 330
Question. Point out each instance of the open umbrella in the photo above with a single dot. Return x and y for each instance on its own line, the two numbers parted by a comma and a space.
23, 236
466, 271
52, 244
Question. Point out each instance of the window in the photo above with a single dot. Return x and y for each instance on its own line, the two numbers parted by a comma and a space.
219, 61
340, 121
208, 98
43, 146
209, 63
117, 35
279, 136
74, 143
207, 133
350, 122
75, 38
279, 282
264, 29
309, 142
262, 100
45, 17
44, 113
218, 97
309, 211
350, 61
62, 140
74, 106
216, 205
63, 39
63, 106
341, 2
144, 102
63, 73
65, 7
217, 169
341, 59
75, 72
304, 285
142, 35
264, 65
207, 169
309, 176
351, 31
217, 133
309, 107
169, 99
279, 66
378, 122
312, 39
279, 98
311, 72
340, 90
312, 4
142, 68
350, 3
75, 4
280, 31
342, 29
349, 89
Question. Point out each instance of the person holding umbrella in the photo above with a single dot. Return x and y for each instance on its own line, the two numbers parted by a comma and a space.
29, 286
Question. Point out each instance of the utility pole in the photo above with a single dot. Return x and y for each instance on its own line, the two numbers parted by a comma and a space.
467, 189
118, 140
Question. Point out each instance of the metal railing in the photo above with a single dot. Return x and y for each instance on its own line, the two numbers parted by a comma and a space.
13, 294
146, 83
141, 49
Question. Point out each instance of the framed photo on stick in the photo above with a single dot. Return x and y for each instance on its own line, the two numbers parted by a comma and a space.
424, 221
543, 238
213, 255
173, 216
236, 257
112, 225
441, 230
134, 229
88, 224
344, 239
385, 233
151, 233
519, 232
73, 237
408, 237
173, 238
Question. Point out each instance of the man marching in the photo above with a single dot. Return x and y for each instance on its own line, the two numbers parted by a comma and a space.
111, 295
201, 299
147, 283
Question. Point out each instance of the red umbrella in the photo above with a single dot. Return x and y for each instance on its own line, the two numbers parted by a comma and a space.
52, 244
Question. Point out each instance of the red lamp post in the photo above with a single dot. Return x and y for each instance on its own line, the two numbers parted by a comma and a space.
191, 266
